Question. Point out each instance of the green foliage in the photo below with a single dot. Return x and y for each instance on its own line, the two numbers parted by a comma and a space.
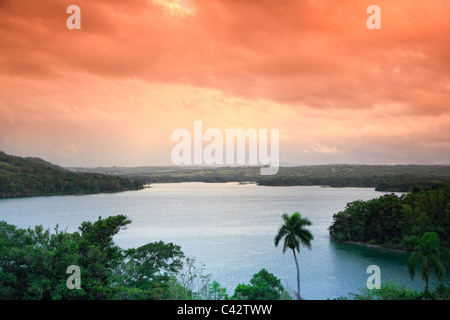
151, 265
263, 286
98, 255
428, 252
216, 291
389, 221
33, 263
20, 177
294, 233
390, 290
442, 292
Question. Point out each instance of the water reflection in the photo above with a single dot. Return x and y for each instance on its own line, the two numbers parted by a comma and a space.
230, 229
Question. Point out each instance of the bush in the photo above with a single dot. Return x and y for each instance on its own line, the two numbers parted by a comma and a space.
392, 291
263, 286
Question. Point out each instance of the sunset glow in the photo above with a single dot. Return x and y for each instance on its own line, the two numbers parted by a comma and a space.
111, 93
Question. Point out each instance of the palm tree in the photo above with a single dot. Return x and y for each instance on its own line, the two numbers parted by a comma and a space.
294, 233
428, 251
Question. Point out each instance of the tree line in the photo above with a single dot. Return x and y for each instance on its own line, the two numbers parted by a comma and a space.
395, 178
22, 177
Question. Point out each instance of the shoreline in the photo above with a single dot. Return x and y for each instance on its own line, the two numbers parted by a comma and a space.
376, 246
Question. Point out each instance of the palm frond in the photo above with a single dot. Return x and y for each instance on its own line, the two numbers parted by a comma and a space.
294, 233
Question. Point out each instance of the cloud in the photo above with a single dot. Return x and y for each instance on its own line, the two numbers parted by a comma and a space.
137, 69
315, 52
320, 148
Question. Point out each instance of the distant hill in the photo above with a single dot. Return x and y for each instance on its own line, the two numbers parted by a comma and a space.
22, 177
401, 178
45, 163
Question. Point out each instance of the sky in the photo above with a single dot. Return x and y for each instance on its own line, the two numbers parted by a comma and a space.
113, 92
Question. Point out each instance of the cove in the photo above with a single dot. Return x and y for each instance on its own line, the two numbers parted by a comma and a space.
229, 229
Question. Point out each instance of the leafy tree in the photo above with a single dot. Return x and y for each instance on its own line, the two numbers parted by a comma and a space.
263, 286
150, 267
33, 263
428, 252
99, 256
294, 233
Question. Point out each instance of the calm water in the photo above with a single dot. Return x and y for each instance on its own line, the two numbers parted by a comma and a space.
229, 228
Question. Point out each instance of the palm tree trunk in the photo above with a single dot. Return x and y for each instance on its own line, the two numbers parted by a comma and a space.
298, 275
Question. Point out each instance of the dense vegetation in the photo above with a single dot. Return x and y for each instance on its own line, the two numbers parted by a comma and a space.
21, 177
390, 221
34, 266
34, 262
401, 178
390, 290
263, 286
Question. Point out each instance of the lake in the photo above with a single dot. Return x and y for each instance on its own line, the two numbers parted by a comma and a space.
230, 228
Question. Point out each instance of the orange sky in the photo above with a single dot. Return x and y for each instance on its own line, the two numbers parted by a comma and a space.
113, 92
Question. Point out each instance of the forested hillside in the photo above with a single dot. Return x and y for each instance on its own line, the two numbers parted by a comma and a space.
20, 177
402, 178
390, 220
